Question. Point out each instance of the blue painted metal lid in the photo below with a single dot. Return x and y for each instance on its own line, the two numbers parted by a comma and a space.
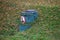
29, 12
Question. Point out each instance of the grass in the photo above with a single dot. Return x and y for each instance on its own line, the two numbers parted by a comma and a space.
46, 27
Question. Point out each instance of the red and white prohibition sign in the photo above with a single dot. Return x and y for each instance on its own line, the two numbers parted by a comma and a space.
23, 19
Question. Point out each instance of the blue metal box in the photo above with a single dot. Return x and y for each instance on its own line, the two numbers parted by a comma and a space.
30, 16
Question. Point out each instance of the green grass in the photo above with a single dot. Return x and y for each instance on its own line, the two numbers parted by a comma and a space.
46, 27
